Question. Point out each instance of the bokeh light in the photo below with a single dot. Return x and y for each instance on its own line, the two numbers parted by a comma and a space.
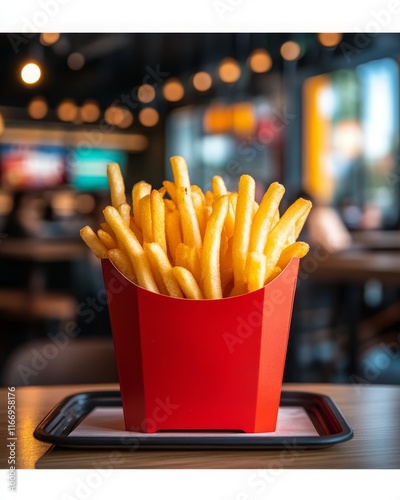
290, 50
173, 90
202, 81
67, 111
30, 73
146, 93
38, 108
148, 117
229, 70
90, 111
329, 39
260, 61
49, 38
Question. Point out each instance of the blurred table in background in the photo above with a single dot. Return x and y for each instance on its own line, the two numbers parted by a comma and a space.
353, 269
377, 240
371, 411
42, 250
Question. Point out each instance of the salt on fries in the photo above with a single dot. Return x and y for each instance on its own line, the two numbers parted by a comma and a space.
182, 242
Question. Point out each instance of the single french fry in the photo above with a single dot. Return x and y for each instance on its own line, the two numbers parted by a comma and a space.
276, 271
173, 232
298, 249
263, 219
122, 263
190, 225
165, 269
136, 230
170, 189
158, 219
256, 266
241, 235
187, 283
226, 264
124, 210
188, 258
180, 172
210, 259
139, 190
146, 222
275, 219
106, 227
278, 236
218, 187
162, 191
133, 248
92, 241
209, 197
199, 207
155, 270
230, 217
117, 185
300, 223
106, 238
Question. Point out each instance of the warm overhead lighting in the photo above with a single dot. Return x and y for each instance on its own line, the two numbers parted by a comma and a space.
329, 39
37, 108
49, 38
146, 93
85, 203
260, 61
290, 50
202, 81
30, 73
148, 117
67, 111
90, 111
120, 117
173, 90
75, 61
229, 70
2, 127
127, 119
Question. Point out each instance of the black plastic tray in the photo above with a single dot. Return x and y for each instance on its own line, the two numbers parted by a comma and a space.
56, 427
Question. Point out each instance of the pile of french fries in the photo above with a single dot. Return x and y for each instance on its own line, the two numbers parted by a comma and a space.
182, 242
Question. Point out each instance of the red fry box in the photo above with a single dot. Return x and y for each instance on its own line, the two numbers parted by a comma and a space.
200, 364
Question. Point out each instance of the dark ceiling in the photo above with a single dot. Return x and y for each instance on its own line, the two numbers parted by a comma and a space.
115, 64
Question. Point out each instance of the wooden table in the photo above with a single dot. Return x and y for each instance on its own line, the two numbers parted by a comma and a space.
371, 411
377, 240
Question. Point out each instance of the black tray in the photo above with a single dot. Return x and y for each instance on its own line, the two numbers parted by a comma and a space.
329, 427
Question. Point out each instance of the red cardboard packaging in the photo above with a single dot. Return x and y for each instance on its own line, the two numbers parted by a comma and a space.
200, 364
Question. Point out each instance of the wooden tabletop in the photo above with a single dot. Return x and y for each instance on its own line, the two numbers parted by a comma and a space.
377, 240
371, 411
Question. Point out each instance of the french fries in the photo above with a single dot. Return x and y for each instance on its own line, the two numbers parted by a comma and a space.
182, 242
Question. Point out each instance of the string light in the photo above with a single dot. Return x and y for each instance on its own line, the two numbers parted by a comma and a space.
260, 61
38, 108
173, 90
290, 50
49, 38
146, 93
90, 111
229, 70
329, 39
67, 111
30, 73
148, 117
202, 81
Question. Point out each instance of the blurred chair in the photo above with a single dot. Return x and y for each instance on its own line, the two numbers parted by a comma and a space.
46, 362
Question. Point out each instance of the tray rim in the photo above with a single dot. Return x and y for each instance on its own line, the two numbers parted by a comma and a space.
220, 440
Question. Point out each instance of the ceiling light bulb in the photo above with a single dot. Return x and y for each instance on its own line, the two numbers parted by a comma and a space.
30, 73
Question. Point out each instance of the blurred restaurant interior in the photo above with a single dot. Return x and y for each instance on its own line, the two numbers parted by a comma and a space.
318, 112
